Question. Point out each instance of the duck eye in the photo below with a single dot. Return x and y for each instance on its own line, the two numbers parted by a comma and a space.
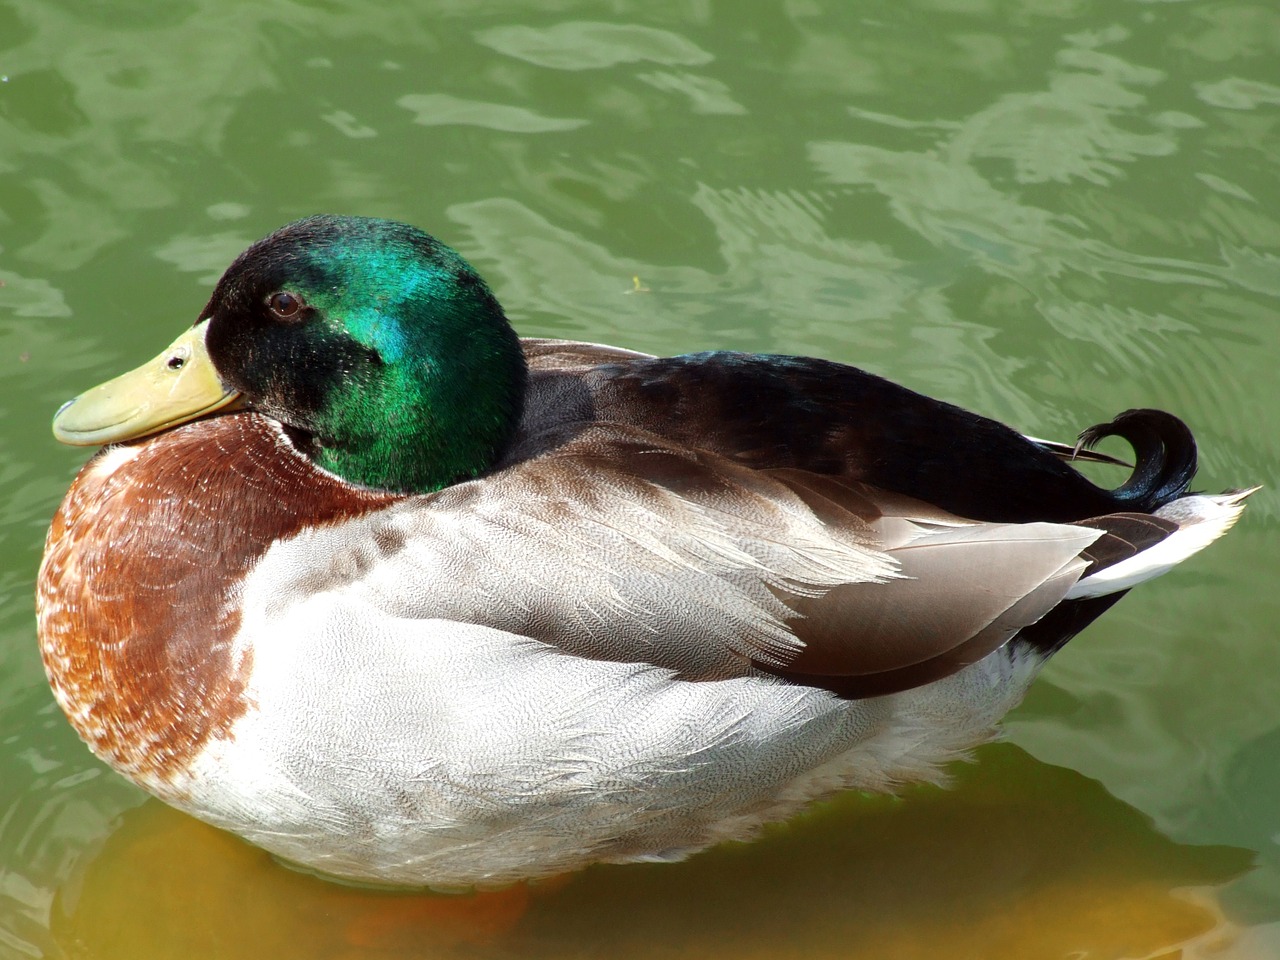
177, 363
285, 305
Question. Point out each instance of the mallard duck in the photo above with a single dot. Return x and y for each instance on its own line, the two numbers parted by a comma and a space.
366, 579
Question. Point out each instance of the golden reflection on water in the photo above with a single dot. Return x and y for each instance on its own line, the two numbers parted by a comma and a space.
1022, 860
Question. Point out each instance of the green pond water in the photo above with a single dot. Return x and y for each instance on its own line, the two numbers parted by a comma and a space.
1044, 210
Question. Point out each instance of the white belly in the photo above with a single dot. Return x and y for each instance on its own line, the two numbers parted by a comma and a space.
428, 752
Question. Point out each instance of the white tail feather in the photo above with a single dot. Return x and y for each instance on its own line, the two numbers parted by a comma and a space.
1202, 519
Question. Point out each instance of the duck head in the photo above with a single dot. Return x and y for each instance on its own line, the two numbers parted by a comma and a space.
378, 347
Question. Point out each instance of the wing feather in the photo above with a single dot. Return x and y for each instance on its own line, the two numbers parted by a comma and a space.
615, 544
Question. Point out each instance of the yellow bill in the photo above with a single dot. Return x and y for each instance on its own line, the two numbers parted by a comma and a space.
179, 385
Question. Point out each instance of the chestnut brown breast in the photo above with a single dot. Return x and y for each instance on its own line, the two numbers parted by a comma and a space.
136, 600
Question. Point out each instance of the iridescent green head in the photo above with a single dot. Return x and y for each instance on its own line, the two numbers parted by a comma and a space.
378, 344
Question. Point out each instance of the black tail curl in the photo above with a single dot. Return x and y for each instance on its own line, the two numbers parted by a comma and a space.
1164, 449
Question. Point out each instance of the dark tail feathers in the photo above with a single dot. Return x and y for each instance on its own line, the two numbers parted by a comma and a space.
1165, 452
